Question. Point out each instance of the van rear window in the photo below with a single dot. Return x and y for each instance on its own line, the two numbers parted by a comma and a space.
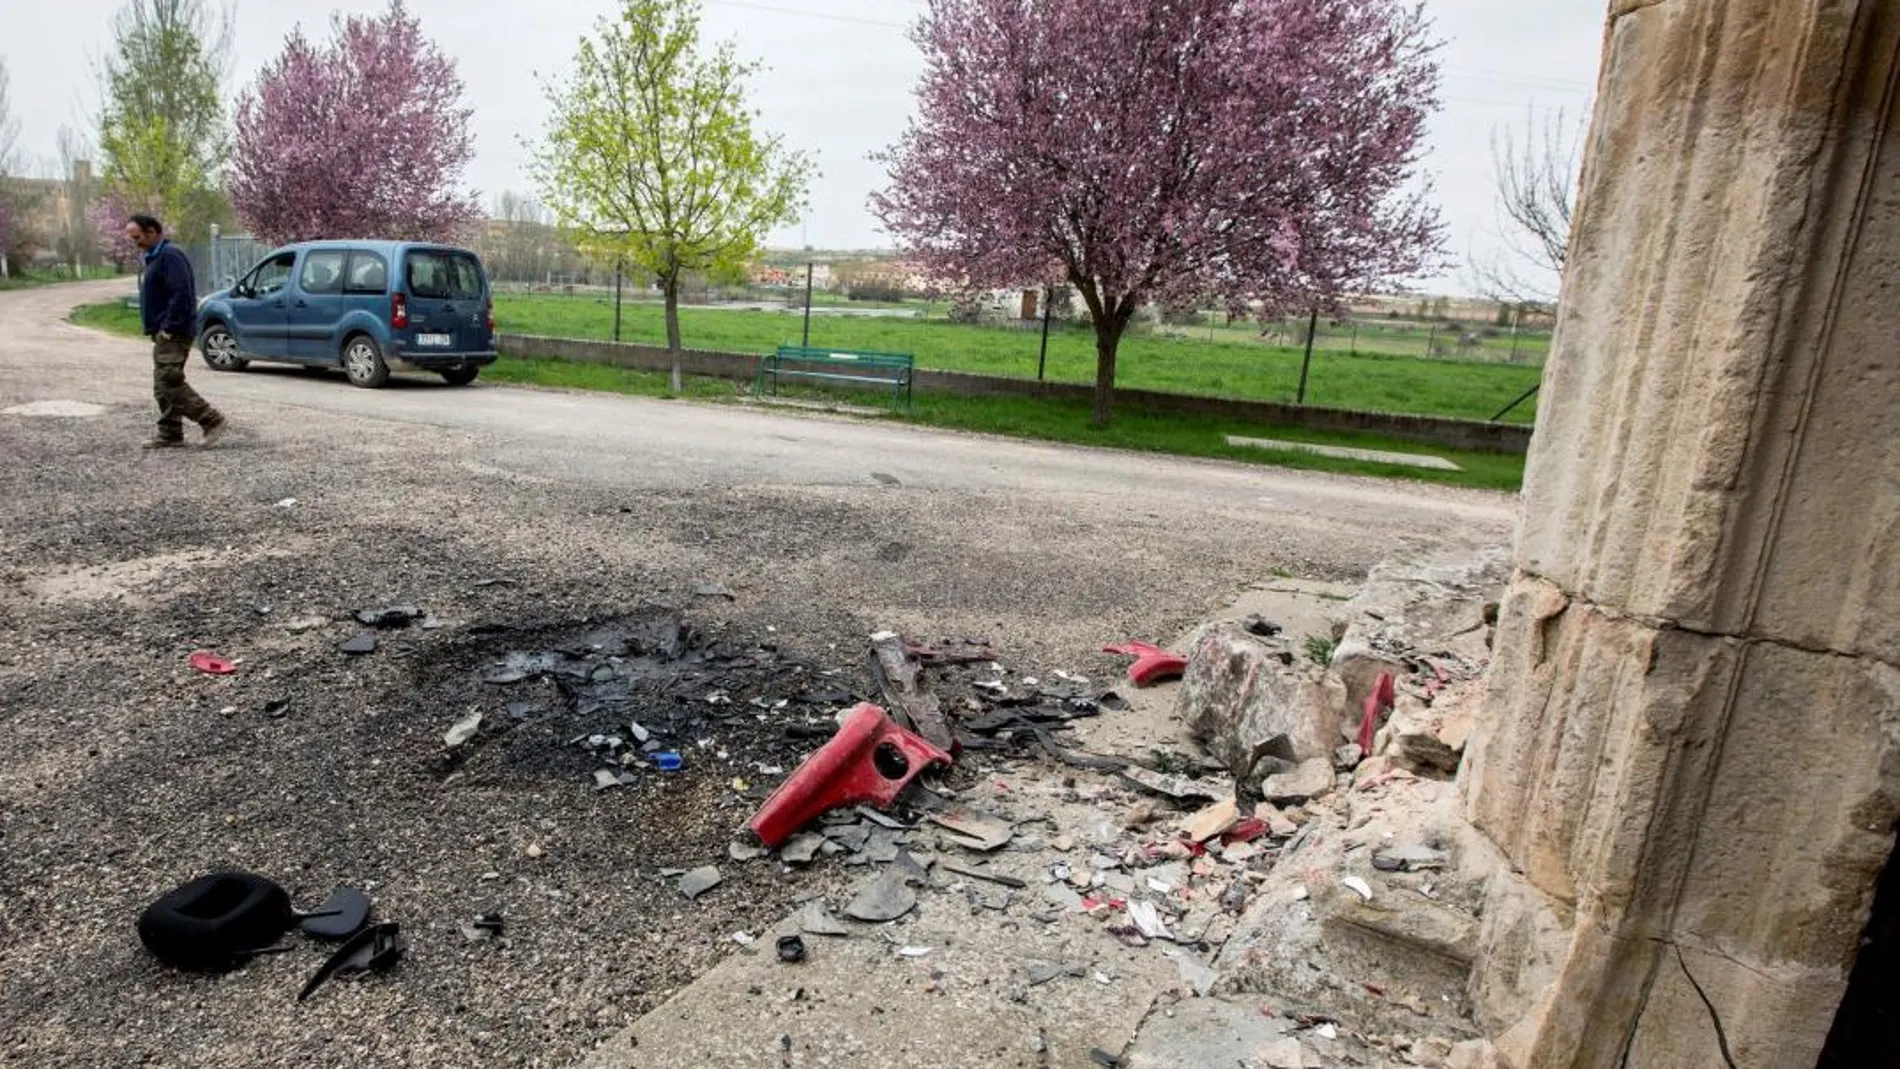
448, 276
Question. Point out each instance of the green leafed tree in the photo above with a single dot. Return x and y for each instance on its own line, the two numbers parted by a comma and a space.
653, 159
162, 135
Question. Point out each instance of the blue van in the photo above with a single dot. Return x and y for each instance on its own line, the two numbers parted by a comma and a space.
368, 307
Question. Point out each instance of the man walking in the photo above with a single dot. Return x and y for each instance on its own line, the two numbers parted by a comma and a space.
168, 310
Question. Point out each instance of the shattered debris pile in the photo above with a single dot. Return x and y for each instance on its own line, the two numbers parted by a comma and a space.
1300, 859
616, 703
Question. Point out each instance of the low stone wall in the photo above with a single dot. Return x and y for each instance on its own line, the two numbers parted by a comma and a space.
1509, 438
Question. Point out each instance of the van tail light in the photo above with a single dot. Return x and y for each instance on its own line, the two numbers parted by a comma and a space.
491, 315
398, 311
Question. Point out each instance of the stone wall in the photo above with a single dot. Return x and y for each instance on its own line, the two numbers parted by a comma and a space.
1509, 438
1691, 751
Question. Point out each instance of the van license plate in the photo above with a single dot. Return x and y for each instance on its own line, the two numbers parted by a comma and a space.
433, 339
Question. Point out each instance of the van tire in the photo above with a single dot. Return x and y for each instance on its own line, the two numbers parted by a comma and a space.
219, 348
461, 374
363, 362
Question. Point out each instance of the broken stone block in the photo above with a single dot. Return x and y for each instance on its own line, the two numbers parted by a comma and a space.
1472, 1054
1455, 730
1312, 779
1212, 821
1373, 768
1405, 925
1434, 604
1283, 1053
1240, 690
1425, 754
1347, 757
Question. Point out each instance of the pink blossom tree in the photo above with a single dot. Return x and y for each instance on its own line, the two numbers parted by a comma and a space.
1260, 152
107, 219
364, 136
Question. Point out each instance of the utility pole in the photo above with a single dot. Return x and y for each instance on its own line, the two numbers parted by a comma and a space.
1312, 328
616, 299
806, 343
1042, 362
1517, 321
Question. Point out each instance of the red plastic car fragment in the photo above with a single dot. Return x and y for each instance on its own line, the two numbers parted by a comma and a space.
211, 664
868, 762
1380, 701
1152, 663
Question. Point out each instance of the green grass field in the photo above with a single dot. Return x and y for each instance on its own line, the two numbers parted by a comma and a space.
1060, 420
113, 316
1194, 365
1042, 419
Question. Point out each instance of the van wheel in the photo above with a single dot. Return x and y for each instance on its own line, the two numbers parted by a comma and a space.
461, 374
220, 350
363, 362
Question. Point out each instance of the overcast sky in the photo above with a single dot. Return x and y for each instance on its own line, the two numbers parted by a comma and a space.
838, 83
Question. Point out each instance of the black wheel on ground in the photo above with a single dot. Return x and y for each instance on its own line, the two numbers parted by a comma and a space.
461, 374
219, 348
363, 362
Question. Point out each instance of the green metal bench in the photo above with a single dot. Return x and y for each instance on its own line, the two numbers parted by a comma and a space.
857, 367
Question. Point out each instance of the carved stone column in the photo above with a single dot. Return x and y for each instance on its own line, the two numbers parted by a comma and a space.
1691, 750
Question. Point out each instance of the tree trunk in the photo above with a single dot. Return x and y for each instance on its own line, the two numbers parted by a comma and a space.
671, 285
1109, 325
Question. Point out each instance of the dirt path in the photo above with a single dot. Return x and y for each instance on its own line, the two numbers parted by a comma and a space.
123, 773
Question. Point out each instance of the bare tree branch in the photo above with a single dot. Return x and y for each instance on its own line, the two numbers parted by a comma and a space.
1536, 173
9, 124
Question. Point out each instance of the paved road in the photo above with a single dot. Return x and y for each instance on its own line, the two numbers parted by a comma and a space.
122, 773
637, 442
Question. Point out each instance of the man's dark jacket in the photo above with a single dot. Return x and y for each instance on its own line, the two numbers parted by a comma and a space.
168, 295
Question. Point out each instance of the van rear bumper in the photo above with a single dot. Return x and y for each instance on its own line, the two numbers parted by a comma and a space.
439, 361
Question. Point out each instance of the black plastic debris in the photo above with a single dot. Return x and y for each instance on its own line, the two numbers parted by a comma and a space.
374, 949
276, 708
388, 617
340, 916
791, 949
358, 646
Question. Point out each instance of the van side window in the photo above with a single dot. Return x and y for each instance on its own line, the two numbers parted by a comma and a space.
271, 275
322, 272
368, 274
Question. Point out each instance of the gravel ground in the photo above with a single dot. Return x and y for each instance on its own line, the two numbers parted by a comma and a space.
123, 773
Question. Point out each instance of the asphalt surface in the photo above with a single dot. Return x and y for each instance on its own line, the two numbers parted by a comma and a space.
123, 773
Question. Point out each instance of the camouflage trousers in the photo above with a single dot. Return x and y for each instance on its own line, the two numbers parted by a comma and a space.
177, 401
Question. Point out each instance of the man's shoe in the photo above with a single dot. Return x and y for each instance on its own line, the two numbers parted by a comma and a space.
216, 431
164, 443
